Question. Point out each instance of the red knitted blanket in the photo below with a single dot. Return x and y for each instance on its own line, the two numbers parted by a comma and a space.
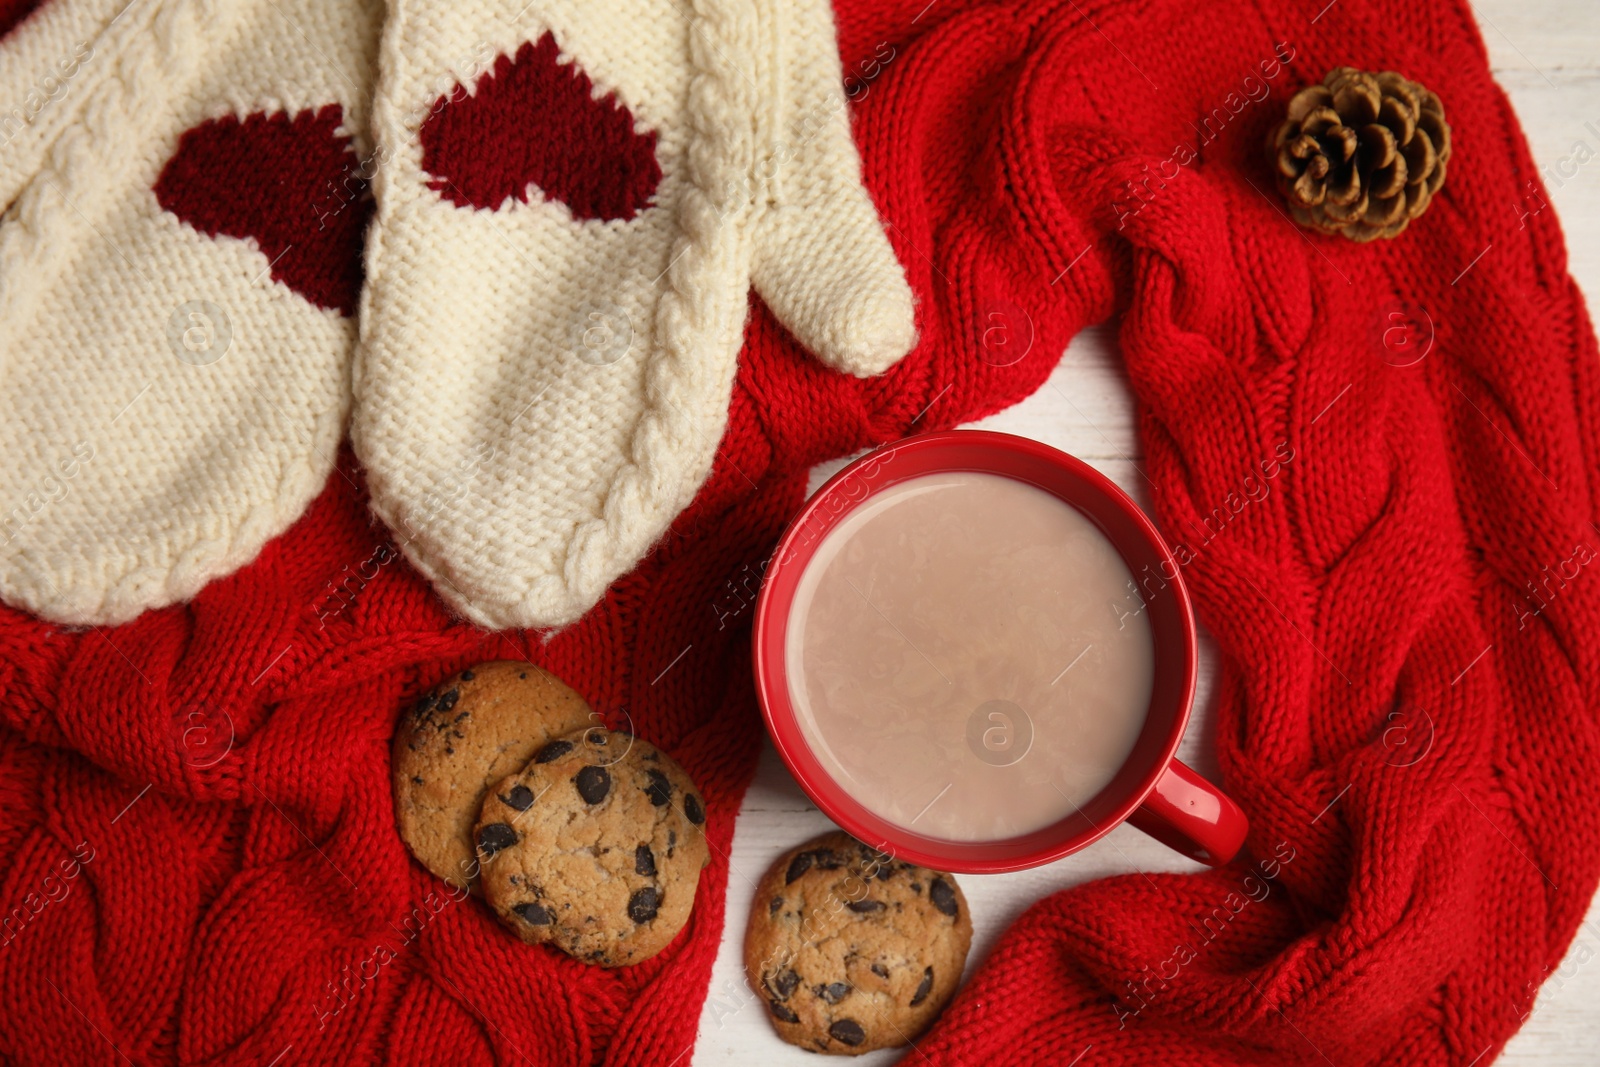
199, 855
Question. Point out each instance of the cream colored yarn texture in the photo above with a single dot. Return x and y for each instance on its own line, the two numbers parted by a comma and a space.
539, 394
170, 405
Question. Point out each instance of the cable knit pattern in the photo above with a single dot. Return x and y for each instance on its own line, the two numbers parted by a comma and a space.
45, 69
171, 407
573, 374
1394, 560
198, 859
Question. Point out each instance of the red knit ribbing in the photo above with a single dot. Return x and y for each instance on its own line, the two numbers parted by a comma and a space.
256, 898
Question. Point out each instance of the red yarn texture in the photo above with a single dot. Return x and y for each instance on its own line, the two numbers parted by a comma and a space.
216, 779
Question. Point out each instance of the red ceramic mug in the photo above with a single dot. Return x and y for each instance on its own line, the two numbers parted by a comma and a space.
1152, 790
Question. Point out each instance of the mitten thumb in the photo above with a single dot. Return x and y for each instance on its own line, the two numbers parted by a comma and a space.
821, 260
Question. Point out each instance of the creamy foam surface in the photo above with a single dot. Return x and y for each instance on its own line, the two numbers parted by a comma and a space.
965, 657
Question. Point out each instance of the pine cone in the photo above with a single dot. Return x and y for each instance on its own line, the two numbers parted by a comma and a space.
1361, 154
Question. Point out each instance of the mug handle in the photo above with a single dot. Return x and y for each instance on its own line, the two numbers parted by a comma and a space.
1187, 813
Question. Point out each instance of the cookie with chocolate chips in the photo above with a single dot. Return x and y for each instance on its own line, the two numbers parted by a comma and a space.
466, 733
595, 846
852, 950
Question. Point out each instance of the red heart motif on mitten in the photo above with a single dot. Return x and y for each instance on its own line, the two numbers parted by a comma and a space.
533, 120
292, 184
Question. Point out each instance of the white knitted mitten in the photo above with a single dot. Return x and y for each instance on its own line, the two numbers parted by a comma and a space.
573, 202
178, 263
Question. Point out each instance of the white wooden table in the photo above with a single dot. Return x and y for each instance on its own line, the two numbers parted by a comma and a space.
1546, 54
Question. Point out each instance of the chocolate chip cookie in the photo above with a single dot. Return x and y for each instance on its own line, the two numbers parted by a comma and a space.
595, 846
466, 733
852, 950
